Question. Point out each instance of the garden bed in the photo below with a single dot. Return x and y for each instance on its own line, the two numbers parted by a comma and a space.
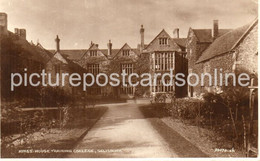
56, 141
206, 139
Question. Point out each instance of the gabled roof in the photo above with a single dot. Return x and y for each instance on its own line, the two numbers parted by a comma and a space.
29, 51
136, 51
174, 45
105, 51
43, 49
113, 52
59, 56
93, 46
205, 35
181, 42
74, 54
223, 31
125, 45
226, 42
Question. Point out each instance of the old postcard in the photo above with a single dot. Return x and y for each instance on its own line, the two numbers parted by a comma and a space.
129, 79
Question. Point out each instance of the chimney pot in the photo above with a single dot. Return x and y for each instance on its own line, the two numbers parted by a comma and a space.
215, 29
3, 23
91, 43
176, 33
57, 43
22, 33
142, 38
109, 46
16, 31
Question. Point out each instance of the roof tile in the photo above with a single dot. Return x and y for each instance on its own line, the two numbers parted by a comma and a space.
223, 43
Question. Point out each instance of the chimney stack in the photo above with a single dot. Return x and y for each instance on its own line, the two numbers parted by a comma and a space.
142, 38
16, 31
109, 46
176, 33
23, 33
3, 23
91, 43
215, 29
57, 44
20, 32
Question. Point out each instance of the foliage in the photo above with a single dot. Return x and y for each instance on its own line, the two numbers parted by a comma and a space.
15, 120
187, 108
143, 66
55, 97
226, 112
91, 100
14, 60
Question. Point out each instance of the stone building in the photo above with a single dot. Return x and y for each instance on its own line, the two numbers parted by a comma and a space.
199, 40
163, 53
110, 60
59, 63
202, 51
166, 53
235, 51
125, 59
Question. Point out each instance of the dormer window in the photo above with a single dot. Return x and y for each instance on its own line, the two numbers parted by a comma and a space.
93, 53
163, 41
126, 52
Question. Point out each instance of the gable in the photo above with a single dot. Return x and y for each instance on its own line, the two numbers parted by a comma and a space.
93, 48
191, 37
155, 44
59, 57
99, 53
126, 48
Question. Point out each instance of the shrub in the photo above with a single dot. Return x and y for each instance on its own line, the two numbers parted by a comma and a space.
53, 97
186, 108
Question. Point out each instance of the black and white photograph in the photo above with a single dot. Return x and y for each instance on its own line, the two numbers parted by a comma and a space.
125, 79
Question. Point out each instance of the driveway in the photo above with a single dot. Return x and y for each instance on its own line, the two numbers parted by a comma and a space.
122, 132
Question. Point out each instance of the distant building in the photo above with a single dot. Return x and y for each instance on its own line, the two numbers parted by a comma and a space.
166, 53
235, 51
201, 52
232, 51
58, 63
198, 40
96, 61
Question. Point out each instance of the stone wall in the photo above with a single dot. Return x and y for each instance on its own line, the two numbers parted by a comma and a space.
247, 52
194, 51
222, 64
64, 68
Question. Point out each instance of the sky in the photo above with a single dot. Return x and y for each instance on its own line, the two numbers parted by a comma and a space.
78, 22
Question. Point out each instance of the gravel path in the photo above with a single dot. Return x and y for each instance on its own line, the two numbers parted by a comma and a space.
123, 132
